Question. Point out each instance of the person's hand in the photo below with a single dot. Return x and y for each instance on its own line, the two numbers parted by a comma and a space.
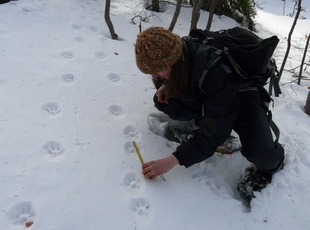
161, 94
152, 169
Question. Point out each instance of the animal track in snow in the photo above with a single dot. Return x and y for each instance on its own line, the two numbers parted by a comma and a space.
77, 27
116, 110
22, 213
26, 9
94, 29
130, 131
67, 54
101, 55
140, 206
79, 39
103, 39
68, 77
52, 108
200, 175
132, 182
129, 147
53, 148
114, 77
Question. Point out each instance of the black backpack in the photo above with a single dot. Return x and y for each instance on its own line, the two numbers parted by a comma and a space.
249, 55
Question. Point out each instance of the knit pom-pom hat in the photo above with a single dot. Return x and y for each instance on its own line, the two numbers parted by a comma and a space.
157, 49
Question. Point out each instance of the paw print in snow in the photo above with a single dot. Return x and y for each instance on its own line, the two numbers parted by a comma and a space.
116, 110
53, 148
22, 213
67, 54
79, 39
94, 29
130, 131
131, 181
140, 206
113, 77
52, 108
129, 147
77, 27
68, 77
101, 55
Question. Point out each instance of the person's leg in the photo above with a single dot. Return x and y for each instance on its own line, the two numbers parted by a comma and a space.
258, 147
255, 135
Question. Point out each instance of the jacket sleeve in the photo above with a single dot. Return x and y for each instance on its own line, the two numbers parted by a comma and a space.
220, 110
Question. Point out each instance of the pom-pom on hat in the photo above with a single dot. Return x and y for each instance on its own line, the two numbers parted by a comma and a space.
157, 49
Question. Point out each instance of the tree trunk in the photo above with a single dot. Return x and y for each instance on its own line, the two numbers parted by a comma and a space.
108, 20
289, 39
307, 106
211, 13
175, 15
303, 59
155, 5
195, 13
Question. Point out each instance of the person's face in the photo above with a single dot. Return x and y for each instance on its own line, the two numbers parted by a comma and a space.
165, 74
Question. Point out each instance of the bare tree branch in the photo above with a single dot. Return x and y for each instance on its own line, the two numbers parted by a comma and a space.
175, 15
289, 39
307, 106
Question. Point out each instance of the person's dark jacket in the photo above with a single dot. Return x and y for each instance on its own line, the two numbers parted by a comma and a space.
219, 102
222, 104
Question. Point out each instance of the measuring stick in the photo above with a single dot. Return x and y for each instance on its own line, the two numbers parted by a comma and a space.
141, 159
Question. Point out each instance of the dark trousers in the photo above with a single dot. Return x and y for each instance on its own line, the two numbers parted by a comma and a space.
250, 123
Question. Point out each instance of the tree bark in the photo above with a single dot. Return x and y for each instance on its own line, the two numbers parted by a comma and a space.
307, 106
155, 5
195, 13
289, 39
108, 20
175, 15
211, 13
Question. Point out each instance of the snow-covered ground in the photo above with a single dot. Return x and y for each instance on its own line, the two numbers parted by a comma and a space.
72, 101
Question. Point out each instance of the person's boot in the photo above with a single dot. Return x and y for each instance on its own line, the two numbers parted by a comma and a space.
255, 180
178, 135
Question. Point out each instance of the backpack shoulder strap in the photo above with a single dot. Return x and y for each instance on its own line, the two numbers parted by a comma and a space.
266, 100
204, 58
274, 81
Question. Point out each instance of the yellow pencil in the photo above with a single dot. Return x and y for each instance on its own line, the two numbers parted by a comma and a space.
138, 152
141, 159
